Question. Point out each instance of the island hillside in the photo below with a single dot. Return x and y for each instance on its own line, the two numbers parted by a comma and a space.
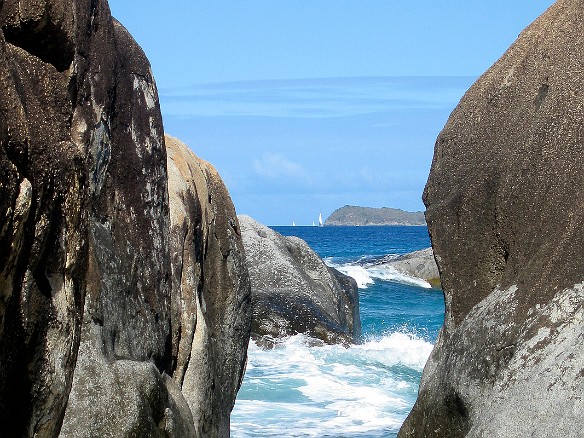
361, 216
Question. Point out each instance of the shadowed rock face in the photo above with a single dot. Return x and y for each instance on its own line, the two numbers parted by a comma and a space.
504, 209
90, 333
48, 112
293, 291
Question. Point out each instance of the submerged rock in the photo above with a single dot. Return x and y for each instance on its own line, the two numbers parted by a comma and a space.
94, 330
419, 264
504, 208
293, 291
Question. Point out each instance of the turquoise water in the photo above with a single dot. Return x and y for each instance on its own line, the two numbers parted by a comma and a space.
299, 390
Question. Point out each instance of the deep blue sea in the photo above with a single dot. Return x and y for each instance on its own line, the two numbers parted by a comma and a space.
367, 390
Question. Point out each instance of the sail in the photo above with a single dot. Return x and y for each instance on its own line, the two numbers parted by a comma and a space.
320, 219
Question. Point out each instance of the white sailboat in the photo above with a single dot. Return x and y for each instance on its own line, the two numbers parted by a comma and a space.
320, 219
313, 224
293, 223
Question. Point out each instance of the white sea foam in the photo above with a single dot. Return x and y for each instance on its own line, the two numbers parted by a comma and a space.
398, 348
359, 273
299, 390
389, 273
366, 275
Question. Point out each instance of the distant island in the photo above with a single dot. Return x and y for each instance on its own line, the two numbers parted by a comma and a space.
361, 216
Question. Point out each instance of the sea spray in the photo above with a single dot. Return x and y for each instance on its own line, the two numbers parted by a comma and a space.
299, 389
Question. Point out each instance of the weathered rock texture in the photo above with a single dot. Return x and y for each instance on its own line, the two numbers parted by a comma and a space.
420, 264
88, 329
293, 291
211, 290
361, 216
505, 214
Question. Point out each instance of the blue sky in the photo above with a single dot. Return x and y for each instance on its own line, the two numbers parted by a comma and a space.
307, 105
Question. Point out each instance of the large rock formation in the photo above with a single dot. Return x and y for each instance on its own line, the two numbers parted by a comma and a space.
293, 291
210, 321
211, 290
505, 214
91, 324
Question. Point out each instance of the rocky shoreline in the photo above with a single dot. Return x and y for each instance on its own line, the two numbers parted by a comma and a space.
129, 288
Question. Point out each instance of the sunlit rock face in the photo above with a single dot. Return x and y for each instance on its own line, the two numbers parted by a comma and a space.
210, 290
504, 209
89, 324
293, 291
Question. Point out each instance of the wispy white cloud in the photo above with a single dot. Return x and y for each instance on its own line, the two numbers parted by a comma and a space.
314, 98
308, 145
276, 167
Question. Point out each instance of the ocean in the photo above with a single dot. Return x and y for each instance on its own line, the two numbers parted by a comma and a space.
367, 390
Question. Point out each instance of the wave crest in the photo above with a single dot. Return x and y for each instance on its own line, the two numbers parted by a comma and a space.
367, 273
